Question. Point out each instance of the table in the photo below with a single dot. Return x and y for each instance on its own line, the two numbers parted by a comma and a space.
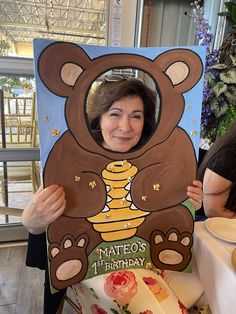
213, 261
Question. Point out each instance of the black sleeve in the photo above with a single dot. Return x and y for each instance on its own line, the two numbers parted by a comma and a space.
224, 164
37, 251
52, 301
37, 257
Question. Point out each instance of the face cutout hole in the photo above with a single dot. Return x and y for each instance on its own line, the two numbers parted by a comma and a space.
122, 109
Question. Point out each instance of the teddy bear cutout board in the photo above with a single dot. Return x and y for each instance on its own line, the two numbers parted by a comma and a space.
123, 210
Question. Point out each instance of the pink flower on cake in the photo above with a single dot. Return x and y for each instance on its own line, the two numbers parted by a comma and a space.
96, 309
122, 286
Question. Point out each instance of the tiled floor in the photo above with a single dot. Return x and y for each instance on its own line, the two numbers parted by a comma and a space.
21, 287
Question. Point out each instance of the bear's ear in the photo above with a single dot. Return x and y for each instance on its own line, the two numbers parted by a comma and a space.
70, 72
183, 67
59, 66
177, 72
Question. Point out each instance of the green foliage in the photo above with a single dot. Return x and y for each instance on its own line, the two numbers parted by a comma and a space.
222, 82
219, 94
231, 11
228, 77
9, 82
4, 46
228, 119
220, 126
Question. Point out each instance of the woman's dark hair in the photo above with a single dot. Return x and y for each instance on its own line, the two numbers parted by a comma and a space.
109, 92
225, 141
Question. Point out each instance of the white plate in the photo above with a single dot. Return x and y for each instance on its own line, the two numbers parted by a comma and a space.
223, 228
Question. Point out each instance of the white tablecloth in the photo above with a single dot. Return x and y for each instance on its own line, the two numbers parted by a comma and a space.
213, 261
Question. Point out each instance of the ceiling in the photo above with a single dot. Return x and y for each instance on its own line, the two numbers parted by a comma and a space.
82, 21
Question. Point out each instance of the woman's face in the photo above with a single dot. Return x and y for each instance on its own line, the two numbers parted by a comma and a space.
122, 124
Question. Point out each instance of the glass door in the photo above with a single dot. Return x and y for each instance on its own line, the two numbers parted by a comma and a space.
19, 157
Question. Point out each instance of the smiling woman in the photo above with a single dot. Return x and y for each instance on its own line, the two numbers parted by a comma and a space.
122, 114
122, 124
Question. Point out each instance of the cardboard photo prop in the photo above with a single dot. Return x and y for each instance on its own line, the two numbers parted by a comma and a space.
124, 210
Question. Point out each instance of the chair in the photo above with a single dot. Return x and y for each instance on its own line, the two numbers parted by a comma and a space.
20, 121
20, 132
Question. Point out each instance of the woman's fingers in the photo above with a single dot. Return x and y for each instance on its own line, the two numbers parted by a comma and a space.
58, 212
39, 190
196, 189
52, 204
197, 183
58, 203
47, 205
195, 194
48, 192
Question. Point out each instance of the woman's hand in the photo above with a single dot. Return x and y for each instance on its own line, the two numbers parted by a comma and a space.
45, 207
195, 194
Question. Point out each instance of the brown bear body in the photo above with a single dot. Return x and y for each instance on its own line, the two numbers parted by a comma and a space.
76, 161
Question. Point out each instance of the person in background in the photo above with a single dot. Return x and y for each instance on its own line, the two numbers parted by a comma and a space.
218, 173
121, 117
